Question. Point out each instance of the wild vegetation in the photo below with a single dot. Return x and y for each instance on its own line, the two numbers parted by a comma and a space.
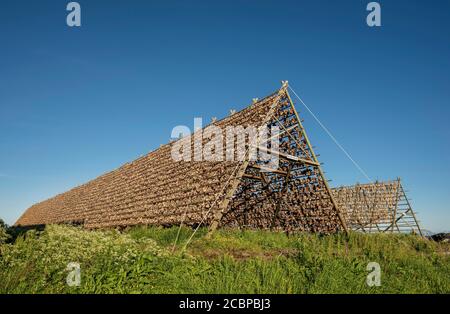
4, 236
145, 260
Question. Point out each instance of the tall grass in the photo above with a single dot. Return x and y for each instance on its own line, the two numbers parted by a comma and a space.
144, 260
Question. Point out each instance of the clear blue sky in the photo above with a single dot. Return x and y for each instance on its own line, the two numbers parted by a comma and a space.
75, 103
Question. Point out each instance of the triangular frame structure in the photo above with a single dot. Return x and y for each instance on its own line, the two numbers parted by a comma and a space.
377, 207
294, 197
157, 189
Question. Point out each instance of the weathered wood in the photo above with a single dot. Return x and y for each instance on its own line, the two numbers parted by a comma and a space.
390, 210
156, 190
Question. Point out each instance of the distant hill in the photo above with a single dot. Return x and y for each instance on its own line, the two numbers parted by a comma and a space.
441, 237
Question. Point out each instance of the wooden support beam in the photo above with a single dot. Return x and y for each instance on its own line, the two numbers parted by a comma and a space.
290, 157
249, 176
397, 199
282, 194
267, 169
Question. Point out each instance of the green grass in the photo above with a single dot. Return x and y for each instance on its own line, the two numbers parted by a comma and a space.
144, 260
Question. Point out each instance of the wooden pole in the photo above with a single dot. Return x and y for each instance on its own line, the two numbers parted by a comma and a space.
394, 216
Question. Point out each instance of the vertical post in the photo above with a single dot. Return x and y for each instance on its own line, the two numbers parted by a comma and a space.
396, 204
282, 194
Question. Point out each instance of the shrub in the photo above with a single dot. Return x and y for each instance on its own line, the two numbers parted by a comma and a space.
42, 256
4, 236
